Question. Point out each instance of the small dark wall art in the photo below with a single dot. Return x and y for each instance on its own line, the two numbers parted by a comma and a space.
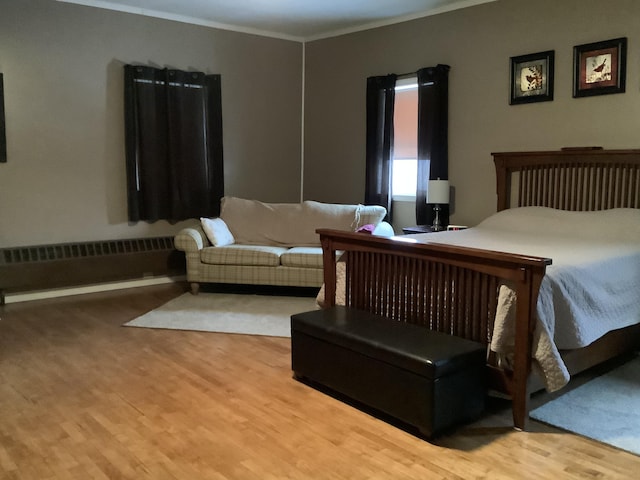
532, 78
600, 68
3, 137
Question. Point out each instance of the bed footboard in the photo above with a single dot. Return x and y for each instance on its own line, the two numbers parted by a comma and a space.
441, 287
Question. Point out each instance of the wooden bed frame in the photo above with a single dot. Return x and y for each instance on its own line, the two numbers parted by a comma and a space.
455, 289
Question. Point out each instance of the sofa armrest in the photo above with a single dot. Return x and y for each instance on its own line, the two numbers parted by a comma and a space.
191, 239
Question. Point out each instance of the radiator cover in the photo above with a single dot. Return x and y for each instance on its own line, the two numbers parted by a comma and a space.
42, 267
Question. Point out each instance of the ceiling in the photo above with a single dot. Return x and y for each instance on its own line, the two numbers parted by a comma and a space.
298, 20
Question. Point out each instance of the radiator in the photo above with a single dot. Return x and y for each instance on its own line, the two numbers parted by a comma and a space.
42, 267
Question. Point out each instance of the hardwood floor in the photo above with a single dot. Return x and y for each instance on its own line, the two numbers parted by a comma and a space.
82, 397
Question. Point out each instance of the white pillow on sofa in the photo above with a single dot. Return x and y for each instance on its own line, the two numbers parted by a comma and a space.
217, 231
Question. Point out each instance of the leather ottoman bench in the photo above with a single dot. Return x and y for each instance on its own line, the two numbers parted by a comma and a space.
426, 379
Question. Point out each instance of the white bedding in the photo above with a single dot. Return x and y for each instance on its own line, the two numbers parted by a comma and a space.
592, 286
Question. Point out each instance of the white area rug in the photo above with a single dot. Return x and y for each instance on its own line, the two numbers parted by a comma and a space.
227, 313
606, 408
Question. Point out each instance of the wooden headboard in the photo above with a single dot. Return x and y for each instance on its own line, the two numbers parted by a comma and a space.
582, 179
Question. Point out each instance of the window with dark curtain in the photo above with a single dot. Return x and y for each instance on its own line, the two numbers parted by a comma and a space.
433, 163
173, 135
433, 146
379, 153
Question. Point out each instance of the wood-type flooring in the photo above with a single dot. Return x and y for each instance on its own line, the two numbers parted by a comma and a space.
82, 397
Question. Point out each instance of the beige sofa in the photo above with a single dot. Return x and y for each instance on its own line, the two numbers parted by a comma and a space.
259, 243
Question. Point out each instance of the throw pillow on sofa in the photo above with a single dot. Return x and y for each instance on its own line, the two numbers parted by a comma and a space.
217, 231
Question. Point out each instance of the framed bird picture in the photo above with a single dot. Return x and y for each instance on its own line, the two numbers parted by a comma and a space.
600, 68
532, 78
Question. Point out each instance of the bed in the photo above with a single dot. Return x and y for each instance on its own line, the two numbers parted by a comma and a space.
515, 281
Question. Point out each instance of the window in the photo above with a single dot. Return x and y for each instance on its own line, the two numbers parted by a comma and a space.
405, 149
405, 175
431, 138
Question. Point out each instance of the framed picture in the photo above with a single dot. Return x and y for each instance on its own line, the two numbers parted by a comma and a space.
600, 68
532, 78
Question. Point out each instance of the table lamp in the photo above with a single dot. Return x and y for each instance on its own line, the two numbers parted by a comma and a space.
438, 194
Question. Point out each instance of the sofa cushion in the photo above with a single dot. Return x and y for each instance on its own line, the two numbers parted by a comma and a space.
217, 231
242, 255
291, 224
308, 257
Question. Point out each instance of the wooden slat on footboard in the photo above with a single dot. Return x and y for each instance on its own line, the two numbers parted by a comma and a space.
441, 287
446, 298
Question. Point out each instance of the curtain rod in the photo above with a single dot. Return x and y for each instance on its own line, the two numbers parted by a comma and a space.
415, 74
407, 75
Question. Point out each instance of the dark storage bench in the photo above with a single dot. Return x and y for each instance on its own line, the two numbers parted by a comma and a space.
426, 379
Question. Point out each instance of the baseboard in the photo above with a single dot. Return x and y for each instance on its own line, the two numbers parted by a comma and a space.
101, 287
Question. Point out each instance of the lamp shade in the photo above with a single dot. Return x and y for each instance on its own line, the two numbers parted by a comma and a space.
438, 191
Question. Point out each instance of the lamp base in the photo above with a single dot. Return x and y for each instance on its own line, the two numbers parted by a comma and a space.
437, 226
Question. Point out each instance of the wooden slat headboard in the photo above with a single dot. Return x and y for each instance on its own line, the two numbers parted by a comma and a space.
579, 179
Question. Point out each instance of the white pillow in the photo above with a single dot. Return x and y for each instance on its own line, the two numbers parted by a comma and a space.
217, 231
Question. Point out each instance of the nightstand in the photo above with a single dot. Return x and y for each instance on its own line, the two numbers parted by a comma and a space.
417, 229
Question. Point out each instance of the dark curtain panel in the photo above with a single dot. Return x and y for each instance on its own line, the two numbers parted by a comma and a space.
433, 161
173, 127
380, 103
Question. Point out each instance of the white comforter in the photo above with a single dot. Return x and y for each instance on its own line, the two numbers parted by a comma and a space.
592, 287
